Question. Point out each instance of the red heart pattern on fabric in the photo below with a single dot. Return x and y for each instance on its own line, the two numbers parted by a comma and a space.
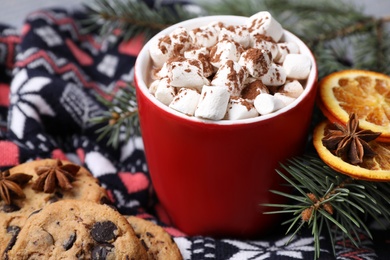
134, 182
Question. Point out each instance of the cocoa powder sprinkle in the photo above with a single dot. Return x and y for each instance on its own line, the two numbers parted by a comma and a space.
244, 85
247, 104
166, 40
257, 57
253, 89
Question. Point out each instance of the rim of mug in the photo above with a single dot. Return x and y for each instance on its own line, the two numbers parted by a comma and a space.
144, 58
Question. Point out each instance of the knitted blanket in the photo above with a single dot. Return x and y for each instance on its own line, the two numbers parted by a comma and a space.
50, 75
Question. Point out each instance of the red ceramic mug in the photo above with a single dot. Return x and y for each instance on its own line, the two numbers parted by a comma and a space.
212, 176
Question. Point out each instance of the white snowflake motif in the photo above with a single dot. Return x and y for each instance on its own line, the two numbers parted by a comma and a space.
49, 36
108, 65
266, 250
98, 164
27, 102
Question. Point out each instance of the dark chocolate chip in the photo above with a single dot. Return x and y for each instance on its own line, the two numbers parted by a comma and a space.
14, 231
10, 208
104, 231
69, 243
34, 212
106, 201
144, 244
100, 252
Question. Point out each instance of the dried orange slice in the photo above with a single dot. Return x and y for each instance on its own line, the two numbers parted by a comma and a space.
375, 168
365, 93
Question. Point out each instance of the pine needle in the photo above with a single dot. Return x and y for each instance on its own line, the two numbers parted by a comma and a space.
121, 117
341, 204
131, 18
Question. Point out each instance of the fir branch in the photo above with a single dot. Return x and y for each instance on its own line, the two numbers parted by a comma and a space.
121, 117
300, 17
331, 28
131, 18
372, 50
333, 56
365, 24
326, 200
232, 7
338, 32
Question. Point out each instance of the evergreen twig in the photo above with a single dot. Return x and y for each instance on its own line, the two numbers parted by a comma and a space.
326, 26
121, 117
327, 200
131, 18
339, 34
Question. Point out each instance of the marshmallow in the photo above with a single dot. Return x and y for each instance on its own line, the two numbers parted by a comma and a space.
275, 76
181, 41
170, 45
187, 73
205, 36
240, 108
203, 55
238, 33
223, 51
256, 61
266, 104
283, 100
253, 88
264, 23
154, 73
185, 101
164, 92
153, 86
213, 103
163, 72
292, 89
263, 42
217, 26
194, 52
160, 50
297, 66
285, 48
250, 71
231, 76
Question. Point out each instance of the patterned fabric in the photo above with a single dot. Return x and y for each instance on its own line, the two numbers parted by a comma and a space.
50, 75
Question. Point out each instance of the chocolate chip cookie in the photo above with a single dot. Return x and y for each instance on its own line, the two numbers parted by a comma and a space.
74, 229
159, 244
30, 186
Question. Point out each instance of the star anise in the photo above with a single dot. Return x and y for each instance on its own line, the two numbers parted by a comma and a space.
53, 176
12, 185
349, 142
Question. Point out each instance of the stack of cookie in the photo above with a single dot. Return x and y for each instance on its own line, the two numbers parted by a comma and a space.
53, 209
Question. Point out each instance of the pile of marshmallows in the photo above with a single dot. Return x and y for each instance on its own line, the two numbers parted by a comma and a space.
228, 72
